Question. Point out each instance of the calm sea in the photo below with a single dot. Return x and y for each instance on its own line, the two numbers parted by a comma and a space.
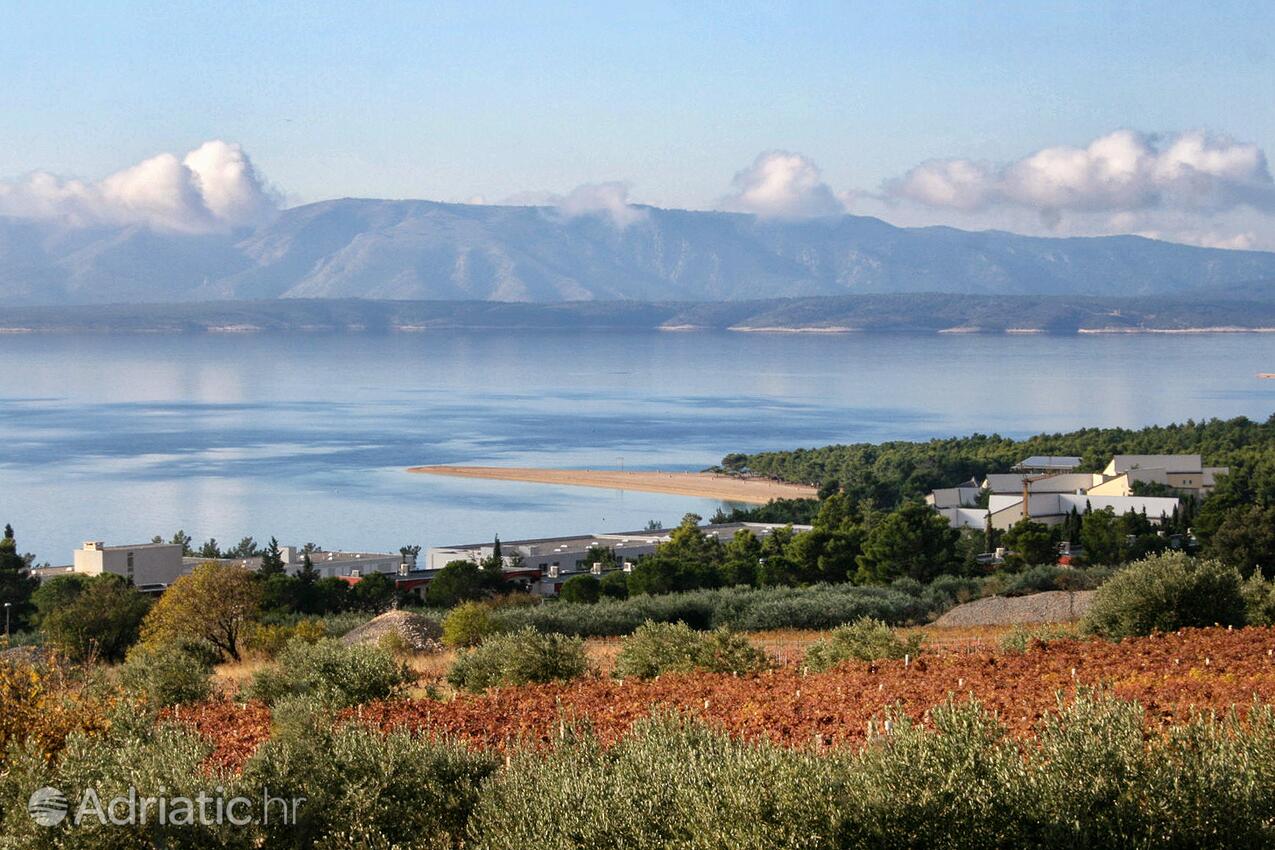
305, 437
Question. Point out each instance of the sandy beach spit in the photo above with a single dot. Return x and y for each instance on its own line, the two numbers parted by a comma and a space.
755, 491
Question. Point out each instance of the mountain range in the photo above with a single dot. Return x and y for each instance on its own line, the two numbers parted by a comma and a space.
422, 250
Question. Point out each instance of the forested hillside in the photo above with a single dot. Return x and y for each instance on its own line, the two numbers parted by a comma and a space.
889, 473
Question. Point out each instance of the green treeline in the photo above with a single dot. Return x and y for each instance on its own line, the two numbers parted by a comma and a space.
887, 474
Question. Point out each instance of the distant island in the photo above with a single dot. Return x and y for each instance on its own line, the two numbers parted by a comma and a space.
423, 250
929, 313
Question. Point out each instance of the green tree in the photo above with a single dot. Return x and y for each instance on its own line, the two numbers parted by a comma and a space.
1245, 539
245, 548
741, 557
16, 582
329, 595
211, 607
373, 593
461, 581
271, 559
913, 541
184, 540
1100, 537
598, 554
210, 549
614, 585
1030, 543
281, 593
99, 617
581, 588
689, 559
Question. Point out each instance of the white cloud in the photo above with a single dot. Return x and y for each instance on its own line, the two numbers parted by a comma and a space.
1121, 171
610, 200
213, 188
782, 184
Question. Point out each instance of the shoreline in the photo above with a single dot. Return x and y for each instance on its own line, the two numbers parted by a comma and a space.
704, 485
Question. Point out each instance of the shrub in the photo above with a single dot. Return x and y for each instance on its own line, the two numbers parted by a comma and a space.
166, 675
269, 639
363, 787
331, 673
134, 758
519, 658
42, 702
657, 648
670, 782
1164, 593
822, 606
468, 623
1259, 600
582, 588
862, 640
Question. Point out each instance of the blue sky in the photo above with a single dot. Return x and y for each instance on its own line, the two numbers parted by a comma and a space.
454, 101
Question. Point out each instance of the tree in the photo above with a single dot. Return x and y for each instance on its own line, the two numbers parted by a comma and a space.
99, 616
913, 541
460, 581
373, 593
1100, 537
1246, 540
246, 548
1031, 543
307, 574
614, 585
211, 606
603, 555
210, 549
581, 588
183, 539
740, 559
16, 582
271, 559
281, 592
687, 560
328, 596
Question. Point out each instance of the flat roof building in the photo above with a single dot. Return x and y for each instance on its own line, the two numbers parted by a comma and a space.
547, 562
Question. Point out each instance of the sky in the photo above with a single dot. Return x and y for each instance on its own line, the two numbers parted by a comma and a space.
1051, 118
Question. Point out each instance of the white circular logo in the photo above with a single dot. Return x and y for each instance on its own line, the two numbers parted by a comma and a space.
47, 806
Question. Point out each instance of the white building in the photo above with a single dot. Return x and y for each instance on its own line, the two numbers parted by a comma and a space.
1048, 489
149, 566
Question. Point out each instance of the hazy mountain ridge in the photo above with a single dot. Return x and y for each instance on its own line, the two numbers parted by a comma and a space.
422, 250
910, 313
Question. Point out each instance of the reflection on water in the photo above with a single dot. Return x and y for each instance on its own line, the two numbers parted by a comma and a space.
305, 436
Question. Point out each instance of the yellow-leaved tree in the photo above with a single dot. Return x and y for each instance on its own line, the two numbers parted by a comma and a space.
211, 606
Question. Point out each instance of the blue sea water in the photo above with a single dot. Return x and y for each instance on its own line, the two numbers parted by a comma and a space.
306, 436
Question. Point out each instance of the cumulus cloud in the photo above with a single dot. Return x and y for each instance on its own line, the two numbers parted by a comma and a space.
1121, 171
212, 188
782, 184
609, 200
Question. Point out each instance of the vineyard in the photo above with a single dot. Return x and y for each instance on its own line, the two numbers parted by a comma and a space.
1170, 676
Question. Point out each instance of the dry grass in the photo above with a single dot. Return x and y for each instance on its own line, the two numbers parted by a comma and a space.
232, 677
787, 646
